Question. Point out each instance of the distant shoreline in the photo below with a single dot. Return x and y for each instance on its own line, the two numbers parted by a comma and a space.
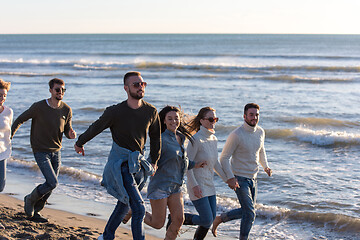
280, 34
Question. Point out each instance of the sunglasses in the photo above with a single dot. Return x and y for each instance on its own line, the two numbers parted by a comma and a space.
138, 84
210, 119
60, 89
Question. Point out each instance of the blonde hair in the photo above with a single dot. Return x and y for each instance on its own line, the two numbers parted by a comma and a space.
5, 85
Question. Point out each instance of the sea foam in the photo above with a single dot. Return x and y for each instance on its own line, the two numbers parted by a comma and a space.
211, 66
316, 137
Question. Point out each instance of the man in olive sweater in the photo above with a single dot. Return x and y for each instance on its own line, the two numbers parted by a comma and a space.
51, 118
129, 121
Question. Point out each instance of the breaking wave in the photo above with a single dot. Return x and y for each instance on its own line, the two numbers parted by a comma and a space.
315, 137
84, 64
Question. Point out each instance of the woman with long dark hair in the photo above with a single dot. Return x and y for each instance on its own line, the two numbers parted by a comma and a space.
200, 182
164, 189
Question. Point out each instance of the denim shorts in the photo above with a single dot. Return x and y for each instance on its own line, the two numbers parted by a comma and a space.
160, 193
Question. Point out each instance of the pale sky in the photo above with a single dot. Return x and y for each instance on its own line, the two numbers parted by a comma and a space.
185, 16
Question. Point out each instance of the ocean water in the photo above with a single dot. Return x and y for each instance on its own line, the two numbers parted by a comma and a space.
308, 88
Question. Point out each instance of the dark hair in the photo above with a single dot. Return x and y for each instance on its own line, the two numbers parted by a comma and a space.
4, 85
54, 81
181, 128
131, 74
251, 105
194, 124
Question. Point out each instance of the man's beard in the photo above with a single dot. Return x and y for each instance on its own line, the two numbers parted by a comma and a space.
250, 124
136, 95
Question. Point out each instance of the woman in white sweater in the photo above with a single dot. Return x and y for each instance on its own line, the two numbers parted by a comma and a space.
200, 183
6, 116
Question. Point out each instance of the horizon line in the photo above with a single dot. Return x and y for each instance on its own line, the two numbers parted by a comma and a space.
184, 33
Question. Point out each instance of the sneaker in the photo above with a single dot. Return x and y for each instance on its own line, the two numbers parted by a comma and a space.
101, 237
38, 218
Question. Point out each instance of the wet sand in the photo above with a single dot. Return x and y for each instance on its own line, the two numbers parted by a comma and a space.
61, 225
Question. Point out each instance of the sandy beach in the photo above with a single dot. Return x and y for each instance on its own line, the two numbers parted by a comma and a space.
61, 225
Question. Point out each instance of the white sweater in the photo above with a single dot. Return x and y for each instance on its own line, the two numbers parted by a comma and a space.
245, 147
6, 117
204, 148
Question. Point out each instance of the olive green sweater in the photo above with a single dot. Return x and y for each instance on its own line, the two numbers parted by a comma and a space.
129, 128
47, 126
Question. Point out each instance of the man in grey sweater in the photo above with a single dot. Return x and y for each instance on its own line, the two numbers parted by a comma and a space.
245, 147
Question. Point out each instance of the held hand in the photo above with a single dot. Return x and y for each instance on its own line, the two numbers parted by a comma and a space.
268, 171
197, 191
72, 134
233, 183
155, 168
200, 164
79, 149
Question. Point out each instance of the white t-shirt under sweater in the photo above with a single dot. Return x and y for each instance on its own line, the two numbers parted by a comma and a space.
245, 147
6, 117
204, 148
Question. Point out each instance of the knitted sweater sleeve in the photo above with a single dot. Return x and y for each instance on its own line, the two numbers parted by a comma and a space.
68, 124
29, 113
191, 150
11, 115
228, 150
219, 171
104, 121
262, 153
155, 138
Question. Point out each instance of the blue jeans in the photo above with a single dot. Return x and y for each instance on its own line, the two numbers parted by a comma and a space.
121, 209
49, 164
246, 195
206, 207
2, 174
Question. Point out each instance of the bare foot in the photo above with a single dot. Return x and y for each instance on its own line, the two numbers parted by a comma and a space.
215, 225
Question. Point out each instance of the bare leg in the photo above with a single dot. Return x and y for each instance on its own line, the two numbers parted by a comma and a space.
156, 219
176, 207
215, 225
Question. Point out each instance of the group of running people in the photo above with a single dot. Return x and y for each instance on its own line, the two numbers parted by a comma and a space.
177, 148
